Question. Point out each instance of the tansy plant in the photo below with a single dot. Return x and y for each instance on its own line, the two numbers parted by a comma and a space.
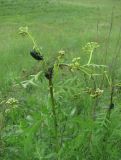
89, 70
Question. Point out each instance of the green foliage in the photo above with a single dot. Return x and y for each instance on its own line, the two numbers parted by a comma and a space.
66, 106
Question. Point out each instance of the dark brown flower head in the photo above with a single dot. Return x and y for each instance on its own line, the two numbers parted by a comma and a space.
111, 106
49, 73
36, 55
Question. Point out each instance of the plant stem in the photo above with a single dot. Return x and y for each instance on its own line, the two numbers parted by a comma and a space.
90, 58
34, 43
111, 101
54, 112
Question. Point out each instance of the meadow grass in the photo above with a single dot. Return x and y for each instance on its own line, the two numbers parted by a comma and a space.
58, 25
27, 133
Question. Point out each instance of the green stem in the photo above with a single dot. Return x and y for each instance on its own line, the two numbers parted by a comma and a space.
54, 112
34, 43
90, 57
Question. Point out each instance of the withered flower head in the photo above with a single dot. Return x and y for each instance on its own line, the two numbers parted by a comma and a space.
36, 55
49, 73
111, 106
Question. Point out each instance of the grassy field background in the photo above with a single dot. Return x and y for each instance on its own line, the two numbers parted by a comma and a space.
56, 25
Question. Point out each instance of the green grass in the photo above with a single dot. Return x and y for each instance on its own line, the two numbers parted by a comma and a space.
27, 132
57, 25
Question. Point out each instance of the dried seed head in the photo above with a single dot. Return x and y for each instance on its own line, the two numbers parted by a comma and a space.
36, 55
49, 73
111, 106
